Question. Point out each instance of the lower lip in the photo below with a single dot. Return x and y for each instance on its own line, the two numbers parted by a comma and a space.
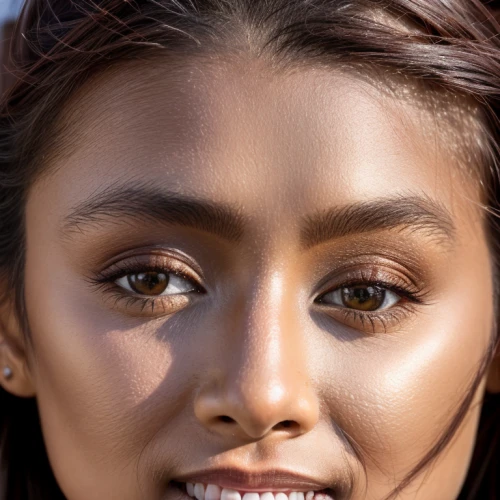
326, 494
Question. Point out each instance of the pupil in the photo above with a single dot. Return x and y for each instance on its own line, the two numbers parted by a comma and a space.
364, 298
150, 283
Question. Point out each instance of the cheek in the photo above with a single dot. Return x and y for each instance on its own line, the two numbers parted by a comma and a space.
403, 389
105, 385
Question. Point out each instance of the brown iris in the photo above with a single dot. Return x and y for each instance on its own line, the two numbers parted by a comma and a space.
363, 298
150, 283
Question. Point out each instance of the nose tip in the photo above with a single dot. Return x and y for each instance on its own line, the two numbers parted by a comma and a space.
257, 380
254, 411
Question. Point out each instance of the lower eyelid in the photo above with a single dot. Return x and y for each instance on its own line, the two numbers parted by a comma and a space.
375, 321
140, 306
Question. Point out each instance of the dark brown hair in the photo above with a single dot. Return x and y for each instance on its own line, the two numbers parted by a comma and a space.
451, 45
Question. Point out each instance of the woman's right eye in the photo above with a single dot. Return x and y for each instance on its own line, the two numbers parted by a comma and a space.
155, 284
150, 285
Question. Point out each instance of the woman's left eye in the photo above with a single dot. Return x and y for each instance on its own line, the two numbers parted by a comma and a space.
361, 298
155, 284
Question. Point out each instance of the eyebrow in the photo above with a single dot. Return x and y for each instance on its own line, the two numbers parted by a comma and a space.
145, 203
414, 213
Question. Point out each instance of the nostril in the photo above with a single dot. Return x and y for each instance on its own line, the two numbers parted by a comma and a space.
285, 424
226, 419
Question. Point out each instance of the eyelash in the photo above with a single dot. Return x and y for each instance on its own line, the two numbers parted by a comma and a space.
373, 321
106, 282
369, 321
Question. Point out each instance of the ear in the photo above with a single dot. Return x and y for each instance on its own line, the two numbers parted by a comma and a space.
15, 376
493, 379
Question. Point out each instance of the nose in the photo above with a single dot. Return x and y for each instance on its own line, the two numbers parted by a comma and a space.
260, 384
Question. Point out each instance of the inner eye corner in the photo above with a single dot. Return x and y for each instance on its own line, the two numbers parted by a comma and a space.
318, 301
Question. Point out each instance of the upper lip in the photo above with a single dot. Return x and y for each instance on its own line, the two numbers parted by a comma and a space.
258, 481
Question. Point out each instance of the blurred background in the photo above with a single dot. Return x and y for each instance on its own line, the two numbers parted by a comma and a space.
9, 11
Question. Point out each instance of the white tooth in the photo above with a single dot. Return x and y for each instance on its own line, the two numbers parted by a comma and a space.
267, 496
190, 489
309, 495
300, 496
199, 491
251, 496
212, 492
227, 494
281, 496
292, 495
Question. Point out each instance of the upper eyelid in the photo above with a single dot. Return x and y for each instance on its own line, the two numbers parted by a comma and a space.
173, 264
374, 276
188, 280
134, 265
144, 256
373, 269
198, 287
408, 292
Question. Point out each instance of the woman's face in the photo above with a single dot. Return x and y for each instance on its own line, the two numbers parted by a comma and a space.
257, 281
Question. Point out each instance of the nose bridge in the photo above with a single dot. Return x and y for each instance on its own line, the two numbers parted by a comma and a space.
264, 384
271, 344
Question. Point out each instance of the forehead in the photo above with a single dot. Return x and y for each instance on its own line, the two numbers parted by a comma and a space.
274, 141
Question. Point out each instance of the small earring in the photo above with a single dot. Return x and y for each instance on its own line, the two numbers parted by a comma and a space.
7, 372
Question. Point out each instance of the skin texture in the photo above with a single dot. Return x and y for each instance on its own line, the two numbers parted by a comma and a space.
131, 395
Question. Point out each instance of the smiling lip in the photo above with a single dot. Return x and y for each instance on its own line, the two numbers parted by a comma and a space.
270, 480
